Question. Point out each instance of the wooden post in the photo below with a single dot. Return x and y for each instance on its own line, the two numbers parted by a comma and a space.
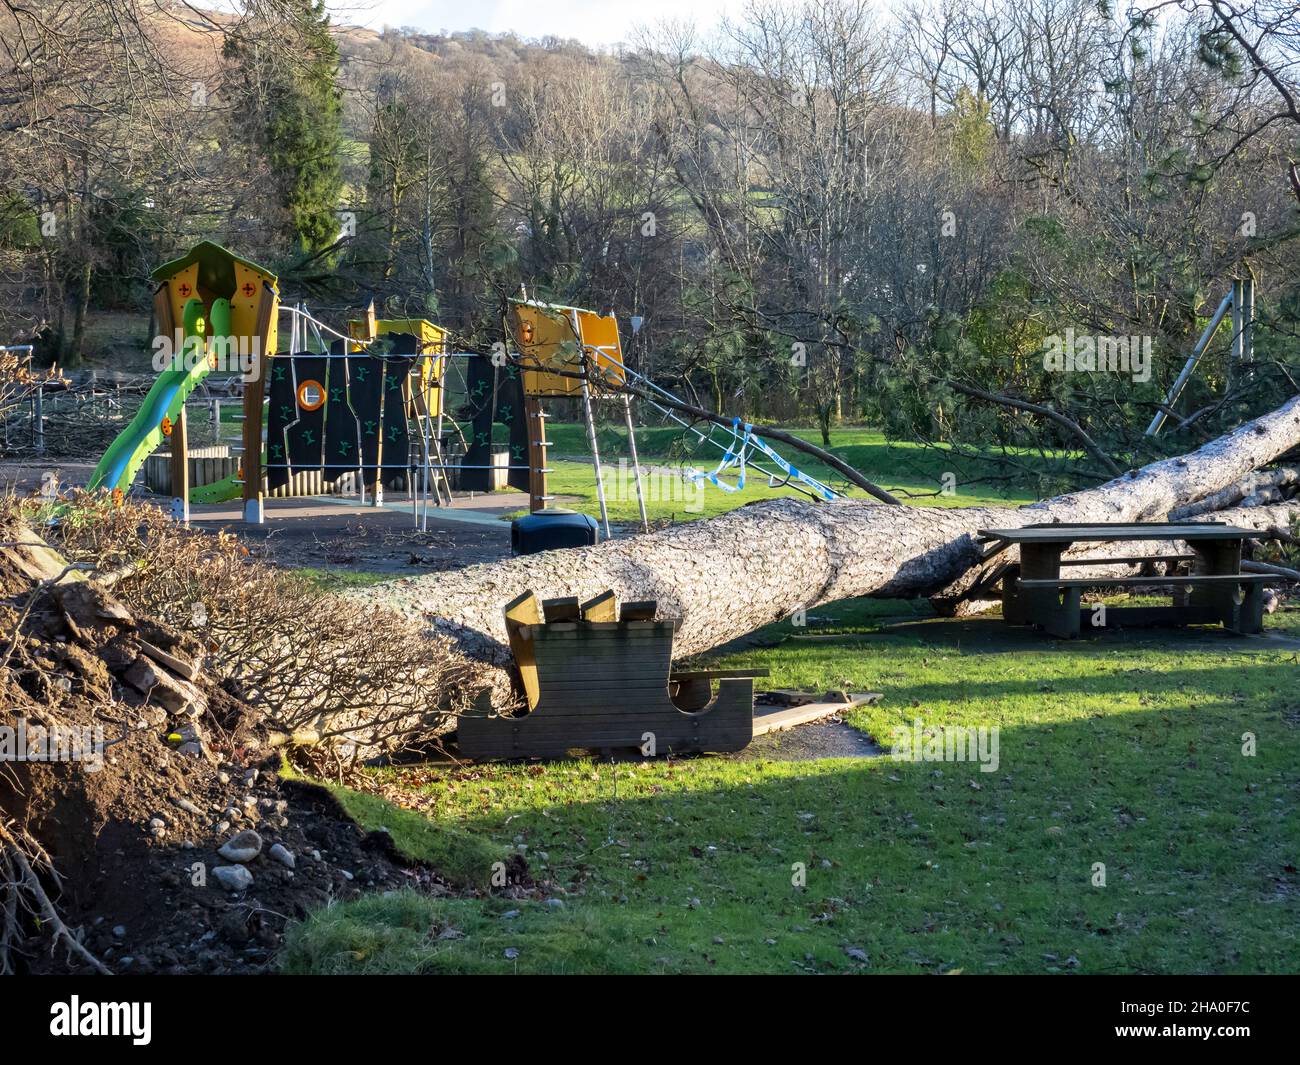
1013, 606
1220, 558
537, 444
181, 468
1058, 613
38, 418
377, 485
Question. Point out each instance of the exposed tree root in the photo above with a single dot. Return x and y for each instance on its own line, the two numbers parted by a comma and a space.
24, 866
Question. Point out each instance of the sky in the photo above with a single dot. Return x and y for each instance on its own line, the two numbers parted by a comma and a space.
596, 23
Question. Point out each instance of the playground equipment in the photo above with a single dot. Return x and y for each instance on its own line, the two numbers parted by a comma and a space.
360, 411
566, 350
344, 413
563, 351
595, 676
212, 308
218, 311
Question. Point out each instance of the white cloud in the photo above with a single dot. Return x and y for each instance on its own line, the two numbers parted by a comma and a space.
594, 22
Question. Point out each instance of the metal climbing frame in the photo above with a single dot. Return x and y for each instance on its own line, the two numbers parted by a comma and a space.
785, 473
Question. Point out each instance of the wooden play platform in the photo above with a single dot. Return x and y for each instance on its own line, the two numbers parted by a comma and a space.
1207, 588
597, 677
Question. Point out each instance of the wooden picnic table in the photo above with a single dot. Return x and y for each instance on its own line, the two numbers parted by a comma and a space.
1214, 590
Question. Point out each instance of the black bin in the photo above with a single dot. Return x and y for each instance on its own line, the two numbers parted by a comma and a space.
548, 529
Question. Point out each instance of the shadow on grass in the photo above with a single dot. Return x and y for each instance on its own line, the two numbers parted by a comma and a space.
1143, 841
995, 636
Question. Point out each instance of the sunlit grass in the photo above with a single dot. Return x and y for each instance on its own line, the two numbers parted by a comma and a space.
917, 475
1122, 751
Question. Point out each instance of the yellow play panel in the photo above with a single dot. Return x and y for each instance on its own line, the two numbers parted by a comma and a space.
554, 338
432, 342
211, 272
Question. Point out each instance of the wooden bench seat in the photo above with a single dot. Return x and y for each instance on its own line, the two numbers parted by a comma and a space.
1137, 582
1056, 603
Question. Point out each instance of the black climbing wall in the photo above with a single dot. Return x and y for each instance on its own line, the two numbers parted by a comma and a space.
343, 417
518, 430
295, 438
365, 404
480, 376
397, 440
495, 397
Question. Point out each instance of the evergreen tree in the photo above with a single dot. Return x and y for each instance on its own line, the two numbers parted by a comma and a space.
292, 116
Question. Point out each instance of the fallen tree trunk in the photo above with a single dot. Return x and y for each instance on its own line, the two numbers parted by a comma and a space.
727, 576
1253, 490
1273, 522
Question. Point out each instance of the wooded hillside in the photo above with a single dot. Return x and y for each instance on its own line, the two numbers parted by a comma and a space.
818, 211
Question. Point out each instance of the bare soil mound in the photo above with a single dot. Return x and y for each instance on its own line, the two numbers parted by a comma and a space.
124, 772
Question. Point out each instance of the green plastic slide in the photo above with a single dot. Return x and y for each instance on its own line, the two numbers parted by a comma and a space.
218, 491
140, 439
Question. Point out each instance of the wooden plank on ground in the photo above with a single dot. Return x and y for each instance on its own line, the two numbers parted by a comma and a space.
777, 719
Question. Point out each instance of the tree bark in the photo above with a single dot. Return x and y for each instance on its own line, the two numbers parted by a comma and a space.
1256, 485
727, 576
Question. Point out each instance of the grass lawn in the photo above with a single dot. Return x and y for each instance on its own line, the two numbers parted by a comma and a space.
341, 580
916, 474
1123, 750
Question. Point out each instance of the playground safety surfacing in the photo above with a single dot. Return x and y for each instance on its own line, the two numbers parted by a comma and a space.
340, 532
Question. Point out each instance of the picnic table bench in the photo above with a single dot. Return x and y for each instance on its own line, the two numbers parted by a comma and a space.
1214, 590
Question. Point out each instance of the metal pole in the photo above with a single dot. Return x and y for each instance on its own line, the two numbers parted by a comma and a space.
1248, 325
425, 480
38, 418
1238, 321
437, 447
636, 465
1190, 365
595, 455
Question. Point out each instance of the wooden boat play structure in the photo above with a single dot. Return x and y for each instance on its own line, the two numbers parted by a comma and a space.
594, 676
